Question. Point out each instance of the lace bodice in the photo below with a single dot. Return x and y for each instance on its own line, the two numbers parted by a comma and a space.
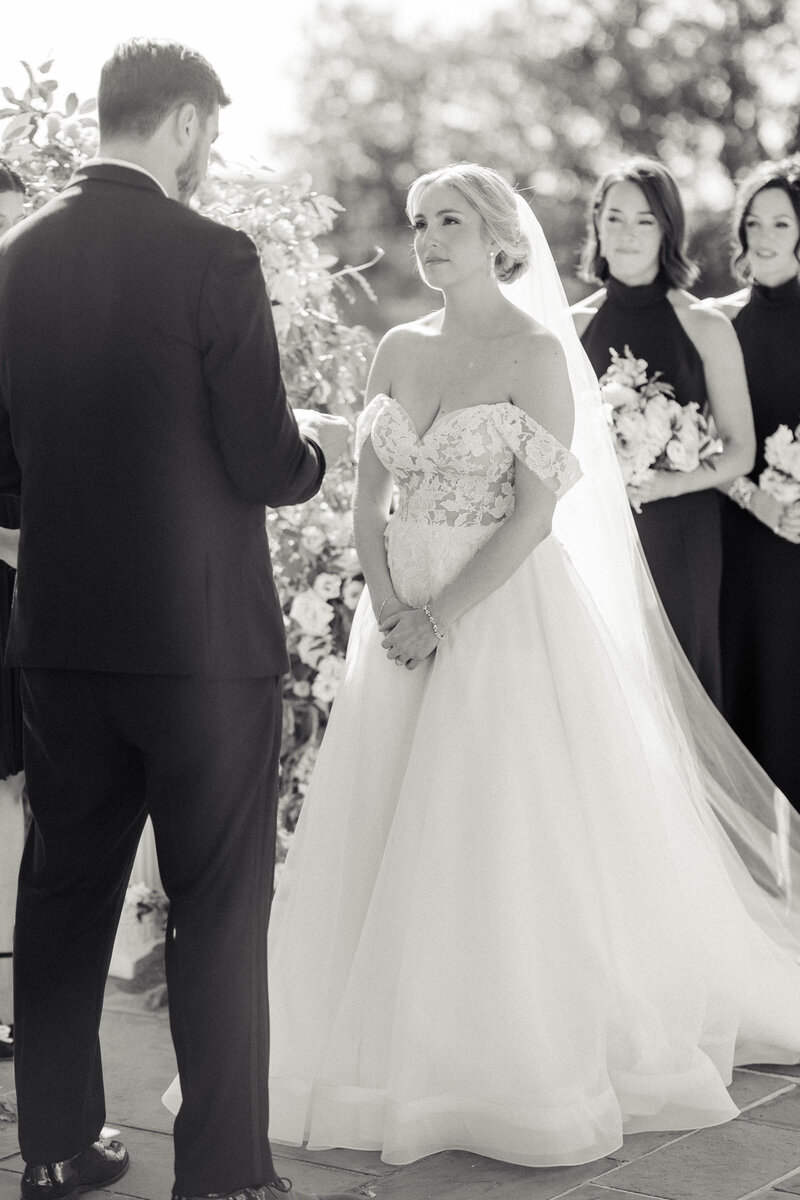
461, 471
455, 484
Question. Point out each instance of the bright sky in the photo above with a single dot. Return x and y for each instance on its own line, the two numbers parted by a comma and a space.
253, 44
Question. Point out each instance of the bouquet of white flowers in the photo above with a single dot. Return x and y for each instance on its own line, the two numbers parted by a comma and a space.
652, 431
781, 478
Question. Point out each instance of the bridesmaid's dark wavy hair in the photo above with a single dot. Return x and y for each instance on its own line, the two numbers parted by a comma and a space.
783, 175
661, 192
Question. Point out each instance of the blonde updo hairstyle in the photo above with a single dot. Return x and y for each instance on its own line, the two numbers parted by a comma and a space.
494, 201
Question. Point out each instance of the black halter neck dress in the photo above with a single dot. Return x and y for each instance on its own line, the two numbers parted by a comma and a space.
681, 536
760, 613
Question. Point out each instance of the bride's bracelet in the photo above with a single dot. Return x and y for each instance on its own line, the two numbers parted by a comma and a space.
391, 596
434, 626
742, 491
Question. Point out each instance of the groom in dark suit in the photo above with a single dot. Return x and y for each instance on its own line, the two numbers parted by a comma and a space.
144, 422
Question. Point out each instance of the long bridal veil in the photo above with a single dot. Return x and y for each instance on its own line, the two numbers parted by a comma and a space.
751, 823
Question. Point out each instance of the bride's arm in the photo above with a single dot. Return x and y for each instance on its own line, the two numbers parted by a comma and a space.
371, 501
543, 391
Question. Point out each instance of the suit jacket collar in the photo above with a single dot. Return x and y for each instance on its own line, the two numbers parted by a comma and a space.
113, 173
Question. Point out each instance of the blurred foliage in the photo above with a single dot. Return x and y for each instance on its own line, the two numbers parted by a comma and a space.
324, 363
45, 141
551, 93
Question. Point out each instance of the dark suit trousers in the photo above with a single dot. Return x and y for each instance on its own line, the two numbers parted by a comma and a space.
201, 756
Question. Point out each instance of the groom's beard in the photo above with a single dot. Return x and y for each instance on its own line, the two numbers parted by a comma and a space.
188, 175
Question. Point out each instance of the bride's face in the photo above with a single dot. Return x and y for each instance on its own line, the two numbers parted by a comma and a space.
772, 233
629, 234
449, 239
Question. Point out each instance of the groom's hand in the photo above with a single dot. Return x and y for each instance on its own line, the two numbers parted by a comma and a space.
331, 433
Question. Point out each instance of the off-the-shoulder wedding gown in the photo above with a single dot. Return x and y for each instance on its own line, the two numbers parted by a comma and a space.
504, 924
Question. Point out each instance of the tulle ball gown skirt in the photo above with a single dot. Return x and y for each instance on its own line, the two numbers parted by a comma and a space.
505, 924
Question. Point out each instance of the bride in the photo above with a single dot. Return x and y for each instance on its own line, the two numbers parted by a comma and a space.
539, 895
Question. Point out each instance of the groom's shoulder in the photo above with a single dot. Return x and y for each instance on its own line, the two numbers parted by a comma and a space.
206, 229
225, 252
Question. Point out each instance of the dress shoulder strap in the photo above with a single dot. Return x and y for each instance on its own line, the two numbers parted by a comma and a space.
366, 419
554, 464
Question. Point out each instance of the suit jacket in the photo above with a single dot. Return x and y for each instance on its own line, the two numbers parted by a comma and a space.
144, 421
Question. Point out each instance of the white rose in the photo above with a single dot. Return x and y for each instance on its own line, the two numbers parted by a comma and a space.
659, 426
688, 434
630, 427
327, 586
351, 592
302, 688
776, 445
619, 395
785, 491
311, 612
680, 456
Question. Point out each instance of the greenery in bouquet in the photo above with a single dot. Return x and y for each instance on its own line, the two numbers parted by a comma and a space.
651, 430
781, 477
324, 364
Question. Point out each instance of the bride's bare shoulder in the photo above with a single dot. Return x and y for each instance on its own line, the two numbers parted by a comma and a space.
536, 360
398, 340
430, 323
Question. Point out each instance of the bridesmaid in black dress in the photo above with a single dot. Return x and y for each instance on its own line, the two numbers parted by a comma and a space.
636, 248
760, 613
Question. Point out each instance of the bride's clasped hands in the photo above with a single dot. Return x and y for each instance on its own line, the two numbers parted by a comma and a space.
410, 636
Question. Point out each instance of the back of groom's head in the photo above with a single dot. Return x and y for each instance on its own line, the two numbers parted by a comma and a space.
146, 79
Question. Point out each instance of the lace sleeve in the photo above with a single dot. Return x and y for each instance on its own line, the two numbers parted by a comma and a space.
366, 419
554, 464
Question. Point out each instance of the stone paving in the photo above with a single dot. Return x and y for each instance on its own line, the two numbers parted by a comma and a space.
755, 1157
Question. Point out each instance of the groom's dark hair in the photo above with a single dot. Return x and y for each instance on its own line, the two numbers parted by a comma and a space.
145, 79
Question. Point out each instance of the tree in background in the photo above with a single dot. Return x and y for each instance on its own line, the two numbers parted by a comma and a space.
551, 93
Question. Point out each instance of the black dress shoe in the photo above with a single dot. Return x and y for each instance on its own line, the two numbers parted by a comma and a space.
95, 1167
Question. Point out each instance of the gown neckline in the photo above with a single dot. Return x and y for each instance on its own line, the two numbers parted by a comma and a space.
642, 295
440, 418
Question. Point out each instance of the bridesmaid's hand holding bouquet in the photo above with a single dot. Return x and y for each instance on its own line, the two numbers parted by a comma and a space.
652, 431
780, 479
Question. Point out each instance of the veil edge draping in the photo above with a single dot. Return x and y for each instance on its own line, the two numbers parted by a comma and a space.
749, 819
